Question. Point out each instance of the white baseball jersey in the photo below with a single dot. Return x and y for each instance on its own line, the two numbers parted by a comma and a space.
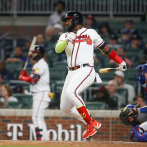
80, 51
40, 68
41, 98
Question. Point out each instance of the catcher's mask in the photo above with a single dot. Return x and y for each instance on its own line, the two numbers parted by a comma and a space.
38, 49
128, 119
76, 17
140, 77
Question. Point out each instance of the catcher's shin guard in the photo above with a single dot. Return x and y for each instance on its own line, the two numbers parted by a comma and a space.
138, 135
38, 135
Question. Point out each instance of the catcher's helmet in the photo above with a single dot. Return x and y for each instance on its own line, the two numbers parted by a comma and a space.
77, 18
38, 49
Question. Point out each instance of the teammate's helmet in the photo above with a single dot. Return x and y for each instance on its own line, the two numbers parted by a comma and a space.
77, 18
38, 49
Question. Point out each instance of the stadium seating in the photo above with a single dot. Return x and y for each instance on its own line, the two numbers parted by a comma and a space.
116, 25
99, 84
53, 57
20, 42
15, 105
59, 64
124, 93
107, 76
134, 52
144, 39
140, 26
57, 74
5, 83
13, 66
115, 98
23, 83
97, 66
130, 75
106, 38
56, 100
26, 88
96, 105
25, 99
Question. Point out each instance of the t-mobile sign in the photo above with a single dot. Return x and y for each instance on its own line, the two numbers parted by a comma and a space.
69, 135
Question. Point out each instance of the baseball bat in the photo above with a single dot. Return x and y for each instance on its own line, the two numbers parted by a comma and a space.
106, 70
29, 53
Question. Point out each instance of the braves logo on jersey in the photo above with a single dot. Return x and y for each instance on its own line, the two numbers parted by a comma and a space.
83, 38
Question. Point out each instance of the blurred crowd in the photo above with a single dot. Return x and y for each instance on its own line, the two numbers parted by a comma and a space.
129, 39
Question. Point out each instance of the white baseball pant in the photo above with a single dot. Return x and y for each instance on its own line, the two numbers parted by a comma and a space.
76, 82
39, 106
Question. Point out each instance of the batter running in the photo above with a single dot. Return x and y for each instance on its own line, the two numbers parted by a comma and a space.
79, 44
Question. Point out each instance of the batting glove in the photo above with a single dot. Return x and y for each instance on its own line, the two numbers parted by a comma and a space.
122, 66
24, 73
71, 36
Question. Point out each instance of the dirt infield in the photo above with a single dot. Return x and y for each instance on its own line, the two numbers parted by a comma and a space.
72, 144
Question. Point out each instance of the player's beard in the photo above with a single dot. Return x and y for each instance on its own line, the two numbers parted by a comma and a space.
70, 28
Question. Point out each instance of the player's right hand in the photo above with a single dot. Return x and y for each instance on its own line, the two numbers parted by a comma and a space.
21, 77
122, 66
71, 36
23, 72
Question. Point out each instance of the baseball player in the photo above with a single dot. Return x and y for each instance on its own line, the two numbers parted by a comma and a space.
137, 117
78, 43
39, 80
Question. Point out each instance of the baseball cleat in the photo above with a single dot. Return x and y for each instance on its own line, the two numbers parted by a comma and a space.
86, 135
93, 127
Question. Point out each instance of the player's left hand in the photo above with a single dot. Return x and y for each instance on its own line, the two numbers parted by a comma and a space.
122, 66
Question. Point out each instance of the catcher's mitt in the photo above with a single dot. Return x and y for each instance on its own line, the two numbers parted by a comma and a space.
128, 119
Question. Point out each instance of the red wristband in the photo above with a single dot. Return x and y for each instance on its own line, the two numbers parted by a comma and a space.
115, 57
27, 79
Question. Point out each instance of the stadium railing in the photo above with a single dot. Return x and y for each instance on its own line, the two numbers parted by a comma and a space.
109, 7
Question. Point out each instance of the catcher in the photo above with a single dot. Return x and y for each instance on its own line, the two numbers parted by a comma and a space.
135, 116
